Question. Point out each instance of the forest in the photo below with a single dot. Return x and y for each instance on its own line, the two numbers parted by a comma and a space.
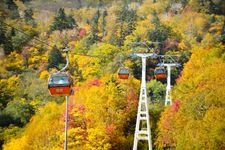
102, 36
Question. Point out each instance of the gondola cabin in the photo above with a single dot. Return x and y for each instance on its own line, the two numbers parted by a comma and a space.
160, 73
123, 73
60, 84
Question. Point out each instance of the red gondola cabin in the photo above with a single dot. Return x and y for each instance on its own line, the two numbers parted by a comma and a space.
60, 84
160, 73
123, 73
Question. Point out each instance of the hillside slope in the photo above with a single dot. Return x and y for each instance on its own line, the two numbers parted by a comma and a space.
101, 37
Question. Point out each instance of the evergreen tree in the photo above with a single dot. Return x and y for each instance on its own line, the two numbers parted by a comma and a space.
11, 5
105, 13
209, 6
8, 46
94, 28
2, 9
28, 17
62, 21
127, 21
54, 58
71, 22
13, 32
159, 33
2, 32
12, 9
132, 21
95, 22
222, 39
6, 41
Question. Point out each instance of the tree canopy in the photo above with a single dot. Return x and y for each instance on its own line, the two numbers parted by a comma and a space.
102, 36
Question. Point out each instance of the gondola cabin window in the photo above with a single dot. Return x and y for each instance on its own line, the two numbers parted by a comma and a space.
57, 80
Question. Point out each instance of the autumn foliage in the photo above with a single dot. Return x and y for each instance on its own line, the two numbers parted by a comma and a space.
102, 37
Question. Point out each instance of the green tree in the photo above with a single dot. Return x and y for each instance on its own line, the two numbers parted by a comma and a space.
7, 90
104, 15
33, 88
2, 9
12, 32
127, 23
8, 46
63, 21
20, 110
43, 131
6, 134
54, 58
94, 37
2, 31
12, 9
159, 33
11, 5
156, 91
222, 38
209, 6
6, 94
20, 39
28, 16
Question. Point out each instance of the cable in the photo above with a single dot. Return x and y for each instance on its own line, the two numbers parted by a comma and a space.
21, 31
95, 56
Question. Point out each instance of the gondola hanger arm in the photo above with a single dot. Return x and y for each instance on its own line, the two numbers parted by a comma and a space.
67, 59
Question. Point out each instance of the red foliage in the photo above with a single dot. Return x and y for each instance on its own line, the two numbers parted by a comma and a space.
132, 100
79, 121
95, 82
70, 120
25, 52
223, 148
81, 109
82, 32
179, 78
110, 129
70, 116
76, 88
175, 106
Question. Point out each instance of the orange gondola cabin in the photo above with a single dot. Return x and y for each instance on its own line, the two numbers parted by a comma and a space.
60, 84
123, 73
160, 73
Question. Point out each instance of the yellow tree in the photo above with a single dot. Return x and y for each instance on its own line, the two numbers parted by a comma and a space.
42, 132
200, 94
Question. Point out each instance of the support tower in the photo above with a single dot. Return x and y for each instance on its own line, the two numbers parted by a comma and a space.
143, 130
